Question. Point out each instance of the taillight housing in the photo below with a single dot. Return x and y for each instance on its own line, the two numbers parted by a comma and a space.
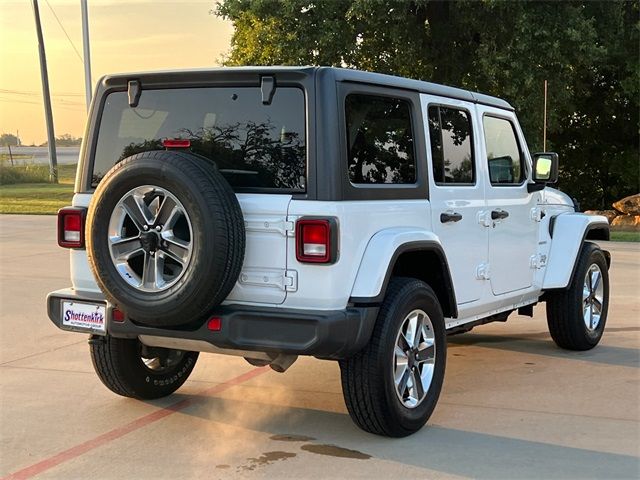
71, 222
317, 240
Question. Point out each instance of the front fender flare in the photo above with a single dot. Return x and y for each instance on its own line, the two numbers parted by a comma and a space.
569, 233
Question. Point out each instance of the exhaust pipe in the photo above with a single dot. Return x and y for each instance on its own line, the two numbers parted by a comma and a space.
278, 362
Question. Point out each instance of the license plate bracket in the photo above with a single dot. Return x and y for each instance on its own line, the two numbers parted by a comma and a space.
84, 317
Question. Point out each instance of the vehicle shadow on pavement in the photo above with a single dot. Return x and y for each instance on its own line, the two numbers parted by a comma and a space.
448, 450
527, 343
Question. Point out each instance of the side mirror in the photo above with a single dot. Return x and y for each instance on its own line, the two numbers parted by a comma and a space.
545, 168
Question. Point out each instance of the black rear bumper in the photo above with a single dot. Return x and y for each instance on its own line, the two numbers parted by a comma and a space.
333, 334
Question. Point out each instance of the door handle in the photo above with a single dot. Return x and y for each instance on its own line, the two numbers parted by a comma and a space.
499, 215
450, 217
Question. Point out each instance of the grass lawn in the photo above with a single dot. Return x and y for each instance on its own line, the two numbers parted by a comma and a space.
625, 236
39, 198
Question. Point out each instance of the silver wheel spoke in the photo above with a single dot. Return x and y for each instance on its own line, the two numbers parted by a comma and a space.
125, 248
417, 383
403, 343
177, 249
137, 210
417, 336
595, 281
400, 354
597, 304
426, 353
149, 271
410, 332
404, 380
167, 214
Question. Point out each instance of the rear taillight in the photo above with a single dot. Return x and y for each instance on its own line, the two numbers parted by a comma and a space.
316, 240
71, 227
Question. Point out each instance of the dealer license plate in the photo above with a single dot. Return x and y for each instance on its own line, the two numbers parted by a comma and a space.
84, 317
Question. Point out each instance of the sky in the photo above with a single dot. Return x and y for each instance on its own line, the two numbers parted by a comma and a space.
126, 36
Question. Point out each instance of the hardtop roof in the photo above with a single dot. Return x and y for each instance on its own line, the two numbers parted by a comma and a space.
340, 74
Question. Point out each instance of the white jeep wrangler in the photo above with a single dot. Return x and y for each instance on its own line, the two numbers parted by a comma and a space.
276, 212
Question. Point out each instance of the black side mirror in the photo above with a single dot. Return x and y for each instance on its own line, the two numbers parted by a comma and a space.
545, 168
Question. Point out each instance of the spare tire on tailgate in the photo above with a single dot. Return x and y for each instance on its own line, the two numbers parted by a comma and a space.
165, 237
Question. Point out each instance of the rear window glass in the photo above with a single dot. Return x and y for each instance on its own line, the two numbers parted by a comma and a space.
255, 146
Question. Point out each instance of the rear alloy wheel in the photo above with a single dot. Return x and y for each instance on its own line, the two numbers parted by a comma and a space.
391, 387
577, 315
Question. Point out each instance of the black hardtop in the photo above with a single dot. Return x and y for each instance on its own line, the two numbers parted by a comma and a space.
251, 75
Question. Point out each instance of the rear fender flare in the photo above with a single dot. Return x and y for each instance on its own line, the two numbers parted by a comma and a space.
379, 260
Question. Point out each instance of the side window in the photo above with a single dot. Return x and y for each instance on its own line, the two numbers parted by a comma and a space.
503, 153
379, 140
451, 146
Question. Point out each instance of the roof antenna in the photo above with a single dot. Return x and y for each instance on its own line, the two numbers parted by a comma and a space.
268, 88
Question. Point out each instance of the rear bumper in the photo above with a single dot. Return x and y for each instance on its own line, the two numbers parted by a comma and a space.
333, 334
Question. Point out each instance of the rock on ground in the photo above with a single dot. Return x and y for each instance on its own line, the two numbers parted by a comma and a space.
626, 222
629, 205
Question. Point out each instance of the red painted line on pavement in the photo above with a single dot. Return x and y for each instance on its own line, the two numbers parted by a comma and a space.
82, 448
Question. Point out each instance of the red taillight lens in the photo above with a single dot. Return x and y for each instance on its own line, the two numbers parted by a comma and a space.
71, 227
176, 143
315, 240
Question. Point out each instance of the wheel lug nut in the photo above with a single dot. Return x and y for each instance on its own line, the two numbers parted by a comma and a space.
145, 227
159, 227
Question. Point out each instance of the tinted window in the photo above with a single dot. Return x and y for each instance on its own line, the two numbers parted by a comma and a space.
254, 145
503, 152
451, 151
380, 140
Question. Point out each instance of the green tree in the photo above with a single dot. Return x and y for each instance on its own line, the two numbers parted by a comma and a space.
588, 51
7, 139
65, 140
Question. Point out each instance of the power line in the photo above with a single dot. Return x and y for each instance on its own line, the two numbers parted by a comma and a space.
59, 103
31, 93
65, 31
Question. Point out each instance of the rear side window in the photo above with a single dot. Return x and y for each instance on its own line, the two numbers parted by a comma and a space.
379, 140
503, 153
451, 146
255, 146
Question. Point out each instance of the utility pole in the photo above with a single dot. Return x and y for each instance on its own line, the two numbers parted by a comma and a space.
51, 138
544, 123
86, 50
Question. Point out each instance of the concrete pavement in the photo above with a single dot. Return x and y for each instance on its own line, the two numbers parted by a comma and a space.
513, 405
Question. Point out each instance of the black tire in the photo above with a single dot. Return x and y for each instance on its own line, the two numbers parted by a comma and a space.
120, 366
368, 377
217, 231
565, 314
